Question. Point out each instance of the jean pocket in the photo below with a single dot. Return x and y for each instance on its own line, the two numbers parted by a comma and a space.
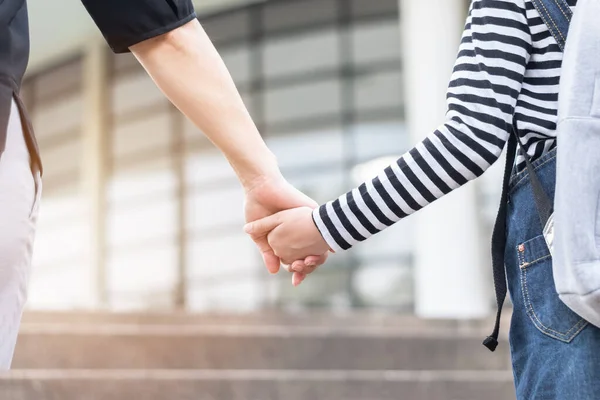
544, 308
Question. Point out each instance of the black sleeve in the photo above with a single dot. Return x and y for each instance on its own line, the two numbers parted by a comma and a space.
127, 22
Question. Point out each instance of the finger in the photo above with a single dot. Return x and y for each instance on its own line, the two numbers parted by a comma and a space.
263, 226
297, 278
298, 266
310, 269
271, 261
315, 261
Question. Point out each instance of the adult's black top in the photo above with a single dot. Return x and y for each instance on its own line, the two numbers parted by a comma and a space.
122, 22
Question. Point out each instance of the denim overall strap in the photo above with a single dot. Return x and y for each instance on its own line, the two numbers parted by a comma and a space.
557, 15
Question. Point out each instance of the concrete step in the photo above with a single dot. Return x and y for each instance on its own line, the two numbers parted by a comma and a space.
255, 385
102, 346
406, 323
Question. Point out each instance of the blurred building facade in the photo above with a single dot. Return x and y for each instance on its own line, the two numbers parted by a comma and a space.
141, 212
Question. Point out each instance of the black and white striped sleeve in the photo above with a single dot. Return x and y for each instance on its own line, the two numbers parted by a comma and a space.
481, 98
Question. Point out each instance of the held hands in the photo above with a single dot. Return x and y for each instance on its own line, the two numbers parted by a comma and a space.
294, 238
269, 195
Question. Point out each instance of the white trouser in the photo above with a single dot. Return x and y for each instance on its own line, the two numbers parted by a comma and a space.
19, 201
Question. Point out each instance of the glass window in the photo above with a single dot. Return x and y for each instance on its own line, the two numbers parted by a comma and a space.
62, 159
322, 184
379, 138
59, 116
329, 287
301, 53
134, 92
124, 63
376, 41
216, 208
212, 257
151, 269
388, 284
244, 294
192, 134
152, 132
362, 8
378, 90
227, 26
237, 59
63, 78
159, 300
397, 240
207, 167
216, 6
61, 276
303, 149
65, 286
58, 242
290, 15
296, 98
64, 206
490, 188
150, 220
144, 179
303, 101
250, 101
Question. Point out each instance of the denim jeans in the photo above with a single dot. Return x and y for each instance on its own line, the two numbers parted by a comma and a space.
555, 353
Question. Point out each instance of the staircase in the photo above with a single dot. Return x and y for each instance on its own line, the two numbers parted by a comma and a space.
96, 356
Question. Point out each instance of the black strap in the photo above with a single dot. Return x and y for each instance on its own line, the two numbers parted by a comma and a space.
499, 242
542, 201
559, 14
544, 206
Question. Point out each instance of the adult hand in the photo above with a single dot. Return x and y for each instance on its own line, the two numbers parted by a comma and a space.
293, 235
266, 196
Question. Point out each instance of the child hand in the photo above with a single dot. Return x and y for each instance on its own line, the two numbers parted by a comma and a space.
294, 237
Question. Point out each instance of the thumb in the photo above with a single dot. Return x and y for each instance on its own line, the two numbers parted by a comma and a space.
271, 261
263, 226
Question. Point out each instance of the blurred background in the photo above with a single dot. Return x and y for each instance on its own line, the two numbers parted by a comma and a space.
144, 284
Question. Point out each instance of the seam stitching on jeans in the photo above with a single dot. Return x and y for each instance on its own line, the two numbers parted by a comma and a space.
560, 5
550, 332
547, 24
527, 264
553, 22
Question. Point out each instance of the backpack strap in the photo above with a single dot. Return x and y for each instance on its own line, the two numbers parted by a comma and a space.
557, 15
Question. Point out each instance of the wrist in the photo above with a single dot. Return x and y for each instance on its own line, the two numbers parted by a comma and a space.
261, 169
324, 231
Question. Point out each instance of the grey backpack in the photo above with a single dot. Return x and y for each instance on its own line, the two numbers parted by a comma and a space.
576, 237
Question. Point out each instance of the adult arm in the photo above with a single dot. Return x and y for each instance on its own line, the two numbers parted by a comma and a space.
167, 39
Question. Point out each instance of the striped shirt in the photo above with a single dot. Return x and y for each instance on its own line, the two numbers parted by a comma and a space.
508, 67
